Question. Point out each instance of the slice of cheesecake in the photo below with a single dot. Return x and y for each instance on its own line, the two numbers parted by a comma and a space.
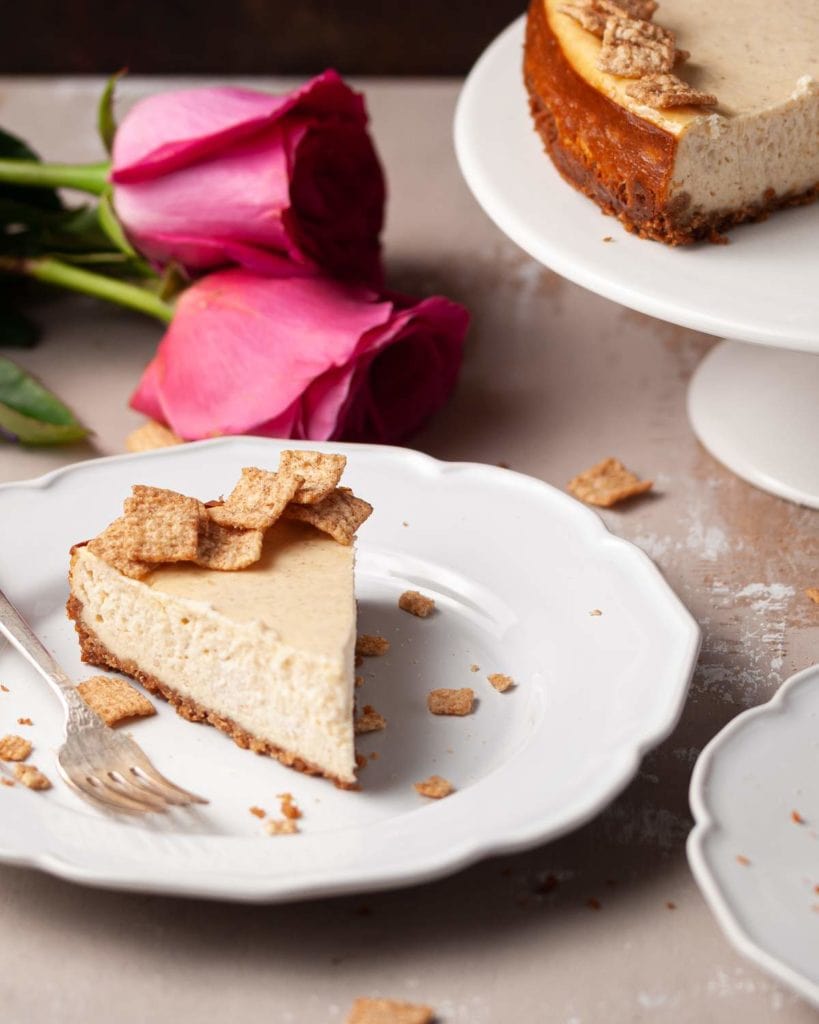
681, 122
264, 652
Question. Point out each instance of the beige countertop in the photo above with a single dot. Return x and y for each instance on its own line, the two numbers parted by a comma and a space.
555, 379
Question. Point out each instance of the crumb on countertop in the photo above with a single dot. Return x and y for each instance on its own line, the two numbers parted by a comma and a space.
607, 483
389, 1011
501, 682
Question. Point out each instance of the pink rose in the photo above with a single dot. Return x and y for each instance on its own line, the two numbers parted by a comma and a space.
301, 357
218, 176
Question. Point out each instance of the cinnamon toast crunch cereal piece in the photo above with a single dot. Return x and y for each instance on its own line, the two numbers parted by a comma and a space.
227, 548
338, 515
388, 1011
607, 483
114, 546
257, 500
319, 474
150, 436
164, 526
114, 700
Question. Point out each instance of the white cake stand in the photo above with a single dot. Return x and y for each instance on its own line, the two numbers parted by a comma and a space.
755, 407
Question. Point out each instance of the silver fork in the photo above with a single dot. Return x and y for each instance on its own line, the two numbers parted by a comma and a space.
105, 767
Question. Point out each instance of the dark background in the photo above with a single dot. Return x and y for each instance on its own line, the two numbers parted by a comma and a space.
248, 37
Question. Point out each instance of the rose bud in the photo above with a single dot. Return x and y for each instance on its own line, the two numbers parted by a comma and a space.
218, 176
302, 357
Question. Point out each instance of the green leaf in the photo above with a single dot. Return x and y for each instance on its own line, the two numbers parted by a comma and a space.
20, 393
12, 148
16, 330
27, 430
106, 123
111, 226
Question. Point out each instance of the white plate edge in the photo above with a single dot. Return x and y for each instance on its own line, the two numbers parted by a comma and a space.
626, 761
705, 823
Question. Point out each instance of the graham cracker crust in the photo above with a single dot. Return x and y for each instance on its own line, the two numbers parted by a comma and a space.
598, 160
94, 652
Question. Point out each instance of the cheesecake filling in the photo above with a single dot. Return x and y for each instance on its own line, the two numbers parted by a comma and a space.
281, 670
773, 150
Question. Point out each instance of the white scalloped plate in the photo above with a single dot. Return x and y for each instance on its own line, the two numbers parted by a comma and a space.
515, 567
754, 289
746, 784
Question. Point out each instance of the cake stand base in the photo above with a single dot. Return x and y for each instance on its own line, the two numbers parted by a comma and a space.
756, 409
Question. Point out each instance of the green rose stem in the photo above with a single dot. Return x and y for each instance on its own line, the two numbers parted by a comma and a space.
91, 178
78, 280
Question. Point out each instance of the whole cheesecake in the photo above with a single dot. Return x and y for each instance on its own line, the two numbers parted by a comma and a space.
682, 122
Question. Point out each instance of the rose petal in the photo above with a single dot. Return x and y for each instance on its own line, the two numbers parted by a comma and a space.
174, 129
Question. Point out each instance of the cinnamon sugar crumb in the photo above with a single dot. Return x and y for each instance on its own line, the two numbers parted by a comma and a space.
389, 1011
435, 787
811, 592
288, 808
371, 645
359, 680
664, 90
361, 761
743, 860
369, 720
31, 776
5, 689
24, 721
474, 668
797, 818
280, 827
501, 682
451, 702
593, 903
5, 782
14, 748
670, 905
257, 812
416, 604
595, 612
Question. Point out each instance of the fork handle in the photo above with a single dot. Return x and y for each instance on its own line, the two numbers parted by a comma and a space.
23, 637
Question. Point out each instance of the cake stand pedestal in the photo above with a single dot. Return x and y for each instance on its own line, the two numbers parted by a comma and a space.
756, 409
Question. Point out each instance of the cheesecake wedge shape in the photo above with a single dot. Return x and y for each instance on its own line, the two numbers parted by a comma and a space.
265, 654
680, 174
